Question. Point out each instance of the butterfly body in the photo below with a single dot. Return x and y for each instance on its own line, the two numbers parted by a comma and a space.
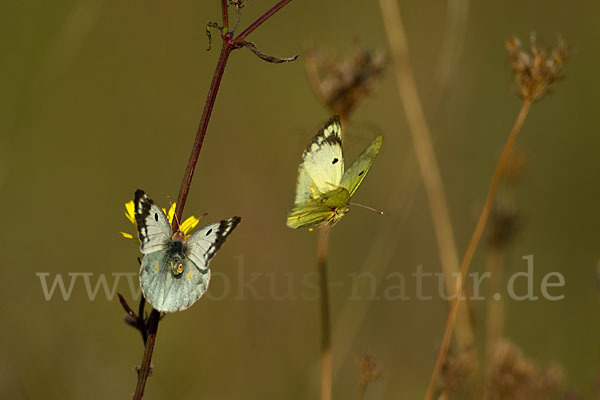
176, 252
174, 272
324, 190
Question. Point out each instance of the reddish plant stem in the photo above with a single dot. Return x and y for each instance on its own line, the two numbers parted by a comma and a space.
226, 49
146, 366
229, 44
225, 11
260, 20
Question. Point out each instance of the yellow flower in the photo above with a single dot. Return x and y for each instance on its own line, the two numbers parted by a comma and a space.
187, 225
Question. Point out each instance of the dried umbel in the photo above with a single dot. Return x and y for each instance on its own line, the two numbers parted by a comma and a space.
367, 367
459, 372
536, 69
512, 376
343, 84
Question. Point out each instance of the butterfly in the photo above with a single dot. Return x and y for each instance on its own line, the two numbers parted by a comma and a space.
174, 272
324, 190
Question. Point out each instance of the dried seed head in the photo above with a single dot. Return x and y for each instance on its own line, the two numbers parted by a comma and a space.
342, 85
536, 69
512, 376
367, 367
459, 371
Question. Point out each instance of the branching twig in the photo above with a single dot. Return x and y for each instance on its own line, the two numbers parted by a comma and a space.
229, 43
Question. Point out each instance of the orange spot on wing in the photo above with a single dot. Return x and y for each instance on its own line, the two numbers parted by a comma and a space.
156, 267
189, 275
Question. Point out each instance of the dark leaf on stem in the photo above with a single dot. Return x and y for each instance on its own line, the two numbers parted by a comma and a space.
212, 25
266, 57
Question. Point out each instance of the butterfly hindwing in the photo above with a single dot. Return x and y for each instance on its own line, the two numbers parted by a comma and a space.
323, 164
309, 213
167, 292
153, 227
354, 175
327, 208
205, 242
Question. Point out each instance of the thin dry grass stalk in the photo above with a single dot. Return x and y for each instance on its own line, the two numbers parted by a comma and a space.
502, 227
479, 228
425, 156
533, 74
341, 86
326, 354
494, 318
450, 53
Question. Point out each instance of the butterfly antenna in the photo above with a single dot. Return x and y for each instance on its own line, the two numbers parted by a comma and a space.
367, 207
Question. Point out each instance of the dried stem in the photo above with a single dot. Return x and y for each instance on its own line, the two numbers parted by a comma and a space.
479, 228
229, 43
495, 308
425, 155
326, 356
362, 389
450, 52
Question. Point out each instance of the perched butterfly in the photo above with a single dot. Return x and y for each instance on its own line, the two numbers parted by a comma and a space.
324, 190
174, 272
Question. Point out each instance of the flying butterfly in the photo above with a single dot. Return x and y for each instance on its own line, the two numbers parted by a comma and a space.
174, 272
324, 190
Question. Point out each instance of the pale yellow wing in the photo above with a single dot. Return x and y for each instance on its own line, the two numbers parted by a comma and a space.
323, 164
353, 177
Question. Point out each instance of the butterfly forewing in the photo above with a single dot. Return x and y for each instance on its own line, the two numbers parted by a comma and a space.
153, 226
358, 170
205, 242
323, 164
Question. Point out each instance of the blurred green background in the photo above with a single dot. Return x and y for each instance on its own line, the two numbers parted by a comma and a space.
102, 97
